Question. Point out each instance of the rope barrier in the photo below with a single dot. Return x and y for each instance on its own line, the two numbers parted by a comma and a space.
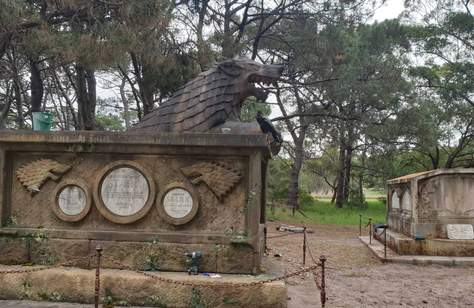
227, 284
313, 269
47, 267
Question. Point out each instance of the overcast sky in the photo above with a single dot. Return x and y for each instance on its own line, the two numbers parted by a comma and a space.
391, 9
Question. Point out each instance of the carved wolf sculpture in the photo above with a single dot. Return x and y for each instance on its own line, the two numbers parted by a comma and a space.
211, 98
219, 177
33, 175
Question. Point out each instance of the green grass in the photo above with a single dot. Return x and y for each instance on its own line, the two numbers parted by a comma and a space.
323, 212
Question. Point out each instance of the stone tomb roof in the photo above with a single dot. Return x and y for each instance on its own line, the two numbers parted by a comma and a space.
427, 174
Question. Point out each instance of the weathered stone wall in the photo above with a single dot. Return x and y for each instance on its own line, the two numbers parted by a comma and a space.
225, 226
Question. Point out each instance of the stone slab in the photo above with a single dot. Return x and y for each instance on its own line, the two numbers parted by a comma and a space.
460, 232
39, 249
377, 249
132, 288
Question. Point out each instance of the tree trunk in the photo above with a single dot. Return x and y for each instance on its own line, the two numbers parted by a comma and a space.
347, 172
86, 97
202, 50
126, 105
295, 172
340, 186
227, 40
5, 108
37, 87
145, 86
20, 120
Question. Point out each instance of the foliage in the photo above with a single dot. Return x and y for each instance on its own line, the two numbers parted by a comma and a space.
196, 300
152, 263
323, 212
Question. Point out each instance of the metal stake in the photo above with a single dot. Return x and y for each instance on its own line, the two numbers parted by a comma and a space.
304, 246
385, 243
97, 276
265, 238
323, 259
370, 231
360, 224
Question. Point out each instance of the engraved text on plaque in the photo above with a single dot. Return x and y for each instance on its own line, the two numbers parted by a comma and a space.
124, 191
72, 200
178, 203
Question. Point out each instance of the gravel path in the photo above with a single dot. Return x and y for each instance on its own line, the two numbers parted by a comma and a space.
357, 279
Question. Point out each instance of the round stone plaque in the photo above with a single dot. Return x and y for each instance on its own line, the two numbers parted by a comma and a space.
72, 200
124, 192
178, 204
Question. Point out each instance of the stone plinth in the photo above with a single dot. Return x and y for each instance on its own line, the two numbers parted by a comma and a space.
432, 212
144, 198
132, 288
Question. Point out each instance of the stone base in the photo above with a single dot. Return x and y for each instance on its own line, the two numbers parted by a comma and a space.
219, 258
377, 249
132, 288
405, 245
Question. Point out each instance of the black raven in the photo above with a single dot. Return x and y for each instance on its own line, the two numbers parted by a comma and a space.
267, 127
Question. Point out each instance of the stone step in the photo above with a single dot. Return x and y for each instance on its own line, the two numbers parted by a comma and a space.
377, 249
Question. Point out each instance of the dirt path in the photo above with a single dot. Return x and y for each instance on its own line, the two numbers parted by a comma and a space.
357, 279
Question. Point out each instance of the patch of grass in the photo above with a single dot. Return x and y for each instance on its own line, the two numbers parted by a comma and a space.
321, 211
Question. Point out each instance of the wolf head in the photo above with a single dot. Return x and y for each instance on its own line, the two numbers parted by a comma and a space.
219, 177
247, 73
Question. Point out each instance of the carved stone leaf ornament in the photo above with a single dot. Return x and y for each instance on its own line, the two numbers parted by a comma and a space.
34, 174
219, 177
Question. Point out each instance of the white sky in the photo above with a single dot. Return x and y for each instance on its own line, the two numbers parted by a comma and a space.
391, 9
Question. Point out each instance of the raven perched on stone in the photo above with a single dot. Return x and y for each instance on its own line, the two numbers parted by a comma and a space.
267, 127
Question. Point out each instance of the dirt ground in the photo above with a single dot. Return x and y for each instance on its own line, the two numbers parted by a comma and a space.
355, 278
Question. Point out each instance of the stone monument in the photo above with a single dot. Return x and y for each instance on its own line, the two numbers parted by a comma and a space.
189, 177
432, 213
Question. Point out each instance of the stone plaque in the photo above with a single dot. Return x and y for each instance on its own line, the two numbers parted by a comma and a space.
124, 191
72, 200
460, 232
178, 203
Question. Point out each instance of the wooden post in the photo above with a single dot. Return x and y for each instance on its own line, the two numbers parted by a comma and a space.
265, 238
304, 246
97, 276
385, 243
323, 259
370, 231
360, 224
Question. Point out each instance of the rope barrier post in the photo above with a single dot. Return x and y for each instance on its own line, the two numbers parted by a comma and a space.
323, 259
265, 238
97, 276
370, 231
304, 246
360, 224
385, 243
